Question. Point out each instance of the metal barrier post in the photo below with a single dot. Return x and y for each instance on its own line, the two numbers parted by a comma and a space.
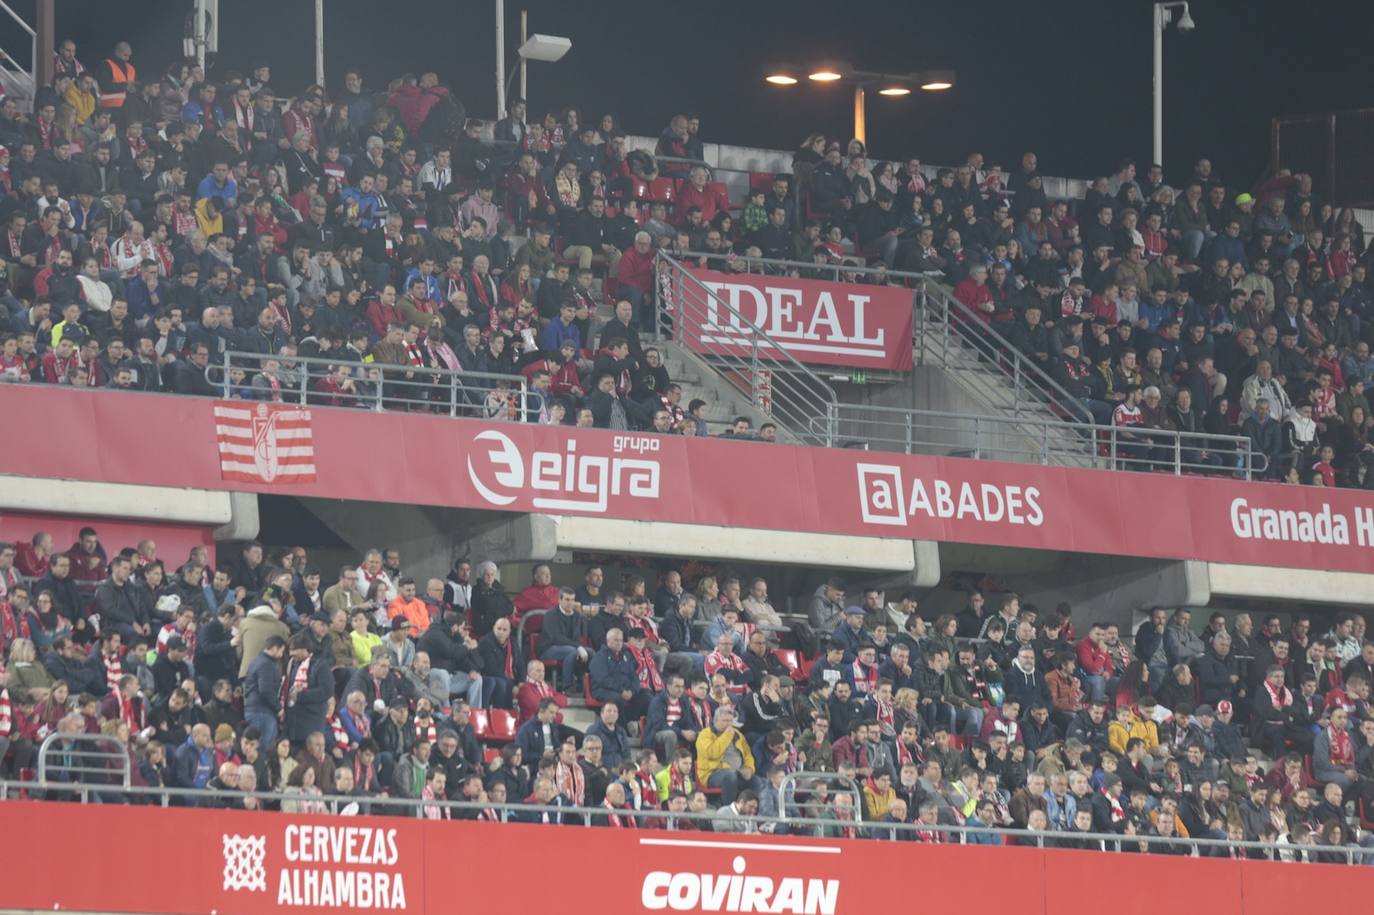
754, 369
226, 375
1016, 383
1178, 454
305, 384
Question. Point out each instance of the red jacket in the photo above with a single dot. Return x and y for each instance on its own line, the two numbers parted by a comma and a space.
975, 296
637, 270
270, 226
27, 561
1094, 661
413, 103
379, 316
534, 597
528, 696
711, 200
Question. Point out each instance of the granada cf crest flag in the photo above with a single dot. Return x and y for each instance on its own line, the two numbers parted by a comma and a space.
264, 443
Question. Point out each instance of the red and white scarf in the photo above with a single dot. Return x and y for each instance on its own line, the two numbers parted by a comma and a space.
614, 819
433, 811
865, 678
129, 712
429, 732
572, 783
906, 754
647, 668
298, 681
12, 626
1118, 813
114, 669
1280, 698
341, 738
6, 713
886, 713
1342, 749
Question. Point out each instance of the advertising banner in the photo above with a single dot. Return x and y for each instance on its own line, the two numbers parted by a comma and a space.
462, 463
147, 859
819, 323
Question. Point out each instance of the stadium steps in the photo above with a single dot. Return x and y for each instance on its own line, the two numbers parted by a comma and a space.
1039, 427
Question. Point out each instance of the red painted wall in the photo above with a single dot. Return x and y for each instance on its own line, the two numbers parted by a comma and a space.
174, 541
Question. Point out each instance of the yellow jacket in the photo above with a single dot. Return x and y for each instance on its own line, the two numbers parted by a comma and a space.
711, 749
82, 102
211, 227
877, 804
1118, 734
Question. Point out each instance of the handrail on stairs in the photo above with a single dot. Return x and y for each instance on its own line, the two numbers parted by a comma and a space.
743, 355
937, 311
29, 74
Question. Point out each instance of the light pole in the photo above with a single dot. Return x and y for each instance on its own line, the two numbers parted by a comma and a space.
548, 48
1163, 15
888, 84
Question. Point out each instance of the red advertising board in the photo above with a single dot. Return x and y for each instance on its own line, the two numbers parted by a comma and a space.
156, 860
429, 460
819, 323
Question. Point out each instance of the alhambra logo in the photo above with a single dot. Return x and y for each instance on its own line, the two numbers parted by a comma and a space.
245, 862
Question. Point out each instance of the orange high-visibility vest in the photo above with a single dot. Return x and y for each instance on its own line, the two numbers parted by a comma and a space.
112, 95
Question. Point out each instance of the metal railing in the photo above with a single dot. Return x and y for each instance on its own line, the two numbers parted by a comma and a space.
374, 386
15, 78
746, 358
937, 314
799, 799
109, 756
1027, 440
824, 826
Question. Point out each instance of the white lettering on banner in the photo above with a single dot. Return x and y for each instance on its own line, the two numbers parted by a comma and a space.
1322, 526
885, 499
738, 892
344, 845
795, 324
335, 848
344, 889
573, 482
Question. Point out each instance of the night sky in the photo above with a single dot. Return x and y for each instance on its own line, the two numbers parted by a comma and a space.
1068, 78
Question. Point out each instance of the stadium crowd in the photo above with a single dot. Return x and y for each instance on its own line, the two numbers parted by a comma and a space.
998, 717
154, 223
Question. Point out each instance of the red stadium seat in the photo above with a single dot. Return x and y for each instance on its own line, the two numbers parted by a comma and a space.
761, 181
501, 727
481, 723
719, 188
587, 692
791, 659
663, 190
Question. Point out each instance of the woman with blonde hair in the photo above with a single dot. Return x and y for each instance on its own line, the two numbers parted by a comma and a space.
25, 671
708, 599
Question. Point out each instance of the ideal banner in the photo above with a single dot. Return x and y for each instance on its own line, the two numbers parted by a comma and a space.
819, 323
469, 463
117, 858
